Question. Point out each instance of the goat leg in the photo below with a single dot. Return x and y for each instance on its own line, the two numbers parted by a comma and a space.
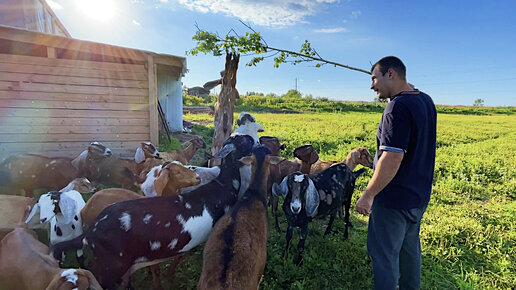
303, 233
347, 204
288, 237
330, 223
274, 207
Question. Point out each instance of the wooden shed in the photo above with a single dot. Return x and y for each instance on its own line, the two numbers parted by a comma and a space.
58, 94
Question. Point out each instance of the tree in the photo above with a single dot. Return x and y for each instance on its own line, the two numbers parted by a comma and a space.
253, 43
478, 103
378, 100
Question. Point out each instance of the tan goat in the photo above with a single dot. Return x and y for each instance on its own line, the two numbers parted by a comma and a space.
359, 155
184, 156
234, 255
26, 265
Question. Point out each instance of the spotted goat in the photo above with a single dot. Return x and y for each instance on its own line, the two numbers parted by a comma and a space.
137, 233
319, 195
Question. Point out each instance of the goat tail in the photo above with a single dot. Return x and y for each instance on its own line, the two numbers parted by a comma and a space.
73, 244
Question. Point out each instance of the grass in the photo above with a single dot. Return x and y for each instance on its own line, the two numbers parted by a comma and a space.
468, 232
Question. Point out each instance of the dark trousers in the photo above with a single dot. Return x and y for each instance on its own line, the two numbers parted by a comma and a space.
393, 244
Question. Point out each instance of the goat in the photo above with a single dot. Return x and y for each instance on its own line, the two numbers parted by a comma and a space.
247, 126
30, 171
306, 156
13, 211
316, 196
273, 144
184, 156
235, 253
359, 155
206, 174
169, 179
129, 234
125, 173
62, 210
26, 265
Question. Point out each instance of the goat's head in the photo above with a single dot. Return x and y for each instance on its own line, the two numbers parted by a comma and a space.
238, 146
198, 142
144, 151
81, 184
52, 203
306, 153
361, 155
302, 191
245, 118
97, 150
74, 279
174, 176
273, 144
259, 163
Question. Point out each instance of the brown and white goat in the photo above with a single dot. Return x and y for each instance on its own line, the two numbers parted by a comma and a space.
359, 155
234, 255
26, 264
169, 180
184, 156
30, 171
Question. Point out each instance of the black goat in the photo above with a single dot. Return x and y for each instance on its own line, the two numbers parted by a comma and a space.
137, 233
319, 195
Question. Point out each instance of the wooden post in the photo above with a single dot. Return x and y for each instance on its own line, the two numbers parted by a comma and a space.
153, 101
225, 105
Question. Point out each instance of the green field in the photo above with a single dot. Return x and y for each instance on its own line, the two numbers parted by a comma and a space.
468, 232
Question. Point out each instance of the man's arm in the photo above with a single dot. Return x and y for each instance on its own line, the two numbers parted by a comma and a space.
386, 169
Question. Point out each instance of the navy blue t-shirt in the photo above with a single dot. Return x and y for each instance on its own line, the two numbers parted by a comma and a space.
408, 125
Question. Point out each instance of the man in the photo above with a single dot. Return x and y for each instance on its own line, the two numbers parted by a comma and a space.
399, 191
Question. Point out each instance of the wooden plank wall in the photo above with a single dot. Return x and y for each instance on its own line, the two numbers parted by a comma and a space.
56, 107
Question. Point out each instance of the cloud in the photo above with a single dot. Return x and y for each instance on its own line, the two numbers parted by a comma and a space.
54, 5
355, 14
136, 22
331, 30
265, 13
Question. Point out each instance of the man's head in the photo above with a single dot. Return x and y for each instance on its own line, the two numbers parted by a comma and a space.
388, 77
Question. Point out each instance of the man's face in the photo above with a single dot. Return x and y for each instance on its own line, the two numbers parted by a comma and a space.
381, 83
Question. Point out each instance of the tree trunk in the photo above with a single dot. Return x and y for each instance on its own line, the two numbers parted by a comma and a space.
225, 105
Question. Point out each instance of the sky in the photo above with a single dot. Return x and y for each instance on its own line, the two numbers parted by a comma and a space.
455, 51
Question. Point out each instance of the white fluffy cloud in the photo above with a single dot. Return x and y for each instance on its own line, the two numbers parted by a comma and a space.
265, 13
355, 14
331, 30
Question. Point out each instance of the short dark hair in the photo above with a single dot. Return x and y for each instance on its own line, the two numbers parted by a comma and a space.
393, 62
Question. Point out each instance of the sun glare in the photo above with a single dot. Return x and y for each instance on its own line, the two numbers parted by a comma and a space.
100, 10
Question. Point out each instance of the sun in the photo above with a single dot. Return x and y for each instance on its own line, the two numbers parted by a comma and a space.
100, 10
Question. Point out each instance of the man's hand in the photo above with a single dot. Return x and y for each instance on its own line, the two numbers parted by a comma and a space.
364, 204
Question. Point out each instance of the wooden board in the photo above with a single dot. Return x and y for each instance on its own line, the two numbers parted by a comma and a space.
41, 121
72, 71
10, 103
53, 113
42, 96
29, 138
70, 80
33, 129
76, 89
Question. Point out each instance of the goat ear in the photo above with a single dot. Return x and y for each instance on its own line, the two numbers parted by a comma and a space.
32, 213
68, 207
161, 182
281, 189
46, 208
259, 128
312, 199
246, 160
139, 156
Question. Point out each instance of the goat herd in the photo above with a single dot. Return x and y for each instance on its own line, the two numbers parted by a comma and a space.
181, 207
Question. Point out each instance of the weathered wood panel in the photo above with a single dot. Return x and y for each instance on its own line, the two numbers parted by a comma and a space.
70, 80
84, 89
28, 129
73, 121
11, 138
55, 62
24, 112
72, 71
10, 103
72, 97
